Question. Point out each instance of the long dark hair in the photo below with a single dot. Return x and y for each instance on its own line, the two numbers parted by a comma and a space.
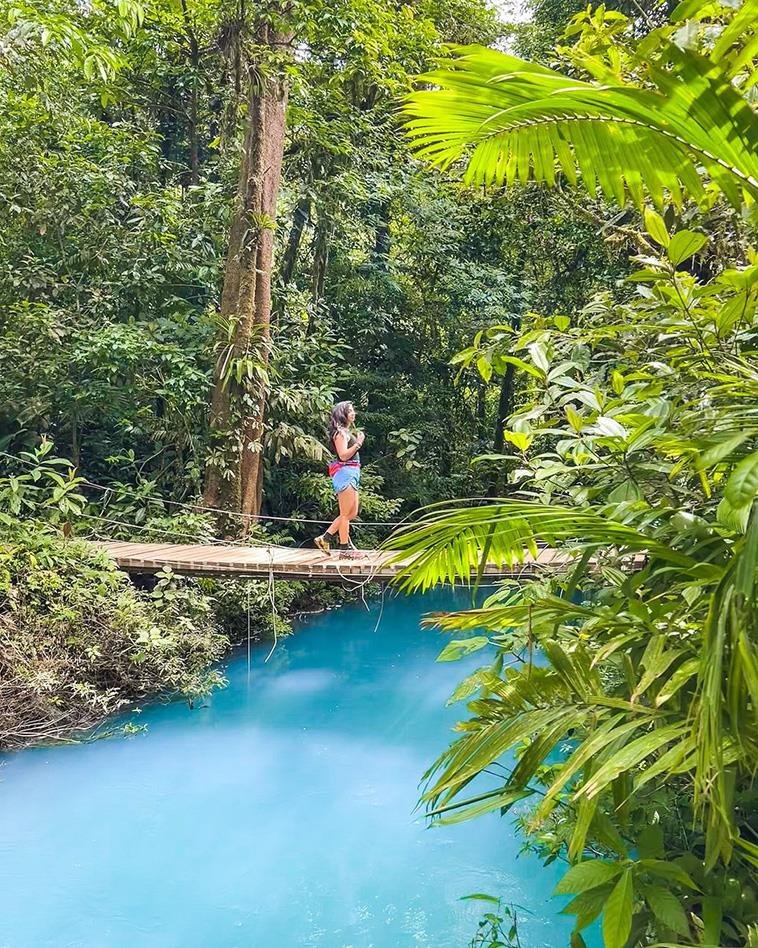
338, 419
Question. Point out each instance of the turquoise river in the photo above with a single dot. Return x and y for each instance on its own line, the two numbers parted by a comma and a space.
280, 813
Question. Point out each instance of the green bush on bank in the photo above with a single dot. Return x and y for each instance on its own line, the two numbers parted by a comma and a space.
78, 641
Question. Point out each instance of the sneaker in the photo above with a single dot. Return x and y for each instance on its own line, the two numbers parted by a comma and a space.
322, 542
351, 553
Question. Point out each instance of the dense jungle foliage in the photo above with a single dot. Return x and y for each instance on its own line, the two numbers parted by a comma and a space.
634, 450
566, 337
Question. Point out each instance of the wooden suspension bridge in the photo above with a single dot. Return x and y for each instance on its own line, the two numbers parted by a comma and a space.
278, 562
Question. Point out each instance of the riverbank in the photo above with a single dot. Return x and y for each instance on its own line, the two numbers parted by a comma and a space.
80, 642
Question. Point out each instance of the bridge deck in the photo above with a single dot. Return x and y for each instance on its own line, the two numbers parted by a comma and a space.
283, 563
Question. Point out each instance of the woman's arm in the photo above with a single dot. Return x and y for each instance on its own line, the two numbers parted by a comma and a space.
340, 444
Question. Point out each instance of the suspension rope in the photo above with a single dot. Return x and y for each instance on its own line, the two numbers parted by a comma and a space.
170, 534
134, 526
200, 508
381, 610
360, 584
249, 629
272, 597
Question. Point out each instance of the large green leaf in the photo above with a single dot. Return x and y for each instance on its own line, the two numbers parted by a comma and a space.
461, 647
473, 752
511, 120
667, 870
631, 755
617, 914
587, 875
655, 226
667, 909
478, 806
742, 486
588, 905
721, 449
684, 244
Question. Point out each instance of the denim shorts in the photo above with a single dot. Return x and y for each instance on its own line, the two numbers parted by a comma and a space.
345, 477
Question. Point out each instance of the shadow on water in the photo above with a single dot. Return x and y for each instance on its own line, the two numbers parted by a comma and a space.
280, 813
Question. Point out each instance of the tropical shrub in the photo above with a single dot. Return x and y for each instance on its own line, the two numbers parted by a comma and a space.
635, 451
633, 448
79, 642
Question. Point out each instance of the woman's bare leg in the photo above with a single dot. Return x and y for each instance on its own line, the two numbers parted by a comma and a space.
346, 499
352, 511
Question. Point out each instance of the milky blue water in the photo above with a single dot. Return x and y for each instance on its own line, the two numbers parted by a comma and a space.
281, 813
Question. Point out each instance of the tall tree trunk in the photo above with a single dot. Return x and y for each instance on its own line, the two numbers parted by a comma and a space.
194, 150
234, 476
497, 485
75, 442
504, 406
299, 222
320, 261
481, 410
192, 131
382, 236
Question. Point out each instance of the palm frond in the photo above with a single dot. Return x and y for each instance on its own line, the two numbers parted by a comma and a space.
511, 120
676, 711
448, 544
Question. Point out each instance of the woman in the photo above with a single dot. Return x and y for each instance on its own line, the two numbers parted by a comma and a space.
345, 472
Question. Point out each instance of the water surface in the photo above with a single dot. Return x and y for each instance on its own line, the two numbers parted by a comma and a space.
281, 813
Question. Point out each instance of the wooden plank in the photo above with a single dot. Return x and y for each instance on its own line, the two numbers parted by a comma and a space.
181, 553
192, 557
130, 549
153, 550
219, 554
121, 549
259, 562
232, 558
146, 547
